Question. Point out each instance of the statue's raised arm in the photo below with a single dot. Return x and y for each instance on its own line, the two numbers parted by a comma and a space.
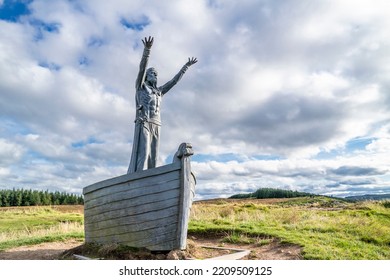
166, 87
148, 43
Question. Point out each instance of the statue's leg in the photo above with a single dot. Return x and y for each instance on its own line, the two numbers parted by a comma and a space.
143, 147
155, 142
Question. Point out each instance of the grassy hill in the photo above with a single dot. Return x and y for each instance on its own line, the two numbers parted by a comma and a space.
326, 228
369, 197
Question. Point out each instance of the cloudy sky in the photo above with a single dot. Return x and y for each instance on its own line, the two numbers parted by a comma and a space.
287, 94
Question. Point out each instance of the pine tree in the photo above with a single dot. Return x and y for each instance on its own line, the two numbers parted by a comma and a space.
22, 197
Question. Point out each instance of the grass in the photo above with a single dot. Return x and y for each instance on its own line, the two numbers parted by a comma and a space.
33, 225
326, 228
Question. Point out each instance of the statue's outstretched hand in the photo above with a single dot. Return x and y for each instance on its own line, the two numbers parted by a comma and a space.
191, 61
148, 42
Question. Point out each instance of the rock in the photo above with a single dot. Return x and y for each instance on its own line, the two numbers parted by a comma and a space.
176, 255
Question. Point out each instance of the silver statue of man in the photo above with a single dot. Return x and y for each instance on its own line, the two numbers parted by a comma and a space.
148, 102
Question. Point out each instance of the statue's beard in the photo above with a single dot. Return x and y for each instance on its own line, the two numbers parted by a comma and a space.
152, 83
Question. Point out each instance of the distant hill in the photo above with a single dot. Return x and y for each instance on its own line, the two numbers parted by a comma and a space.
272, 193
369, 197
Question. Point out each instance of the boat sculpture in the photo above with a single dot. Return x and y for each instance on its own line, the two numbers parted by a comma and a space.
146, 209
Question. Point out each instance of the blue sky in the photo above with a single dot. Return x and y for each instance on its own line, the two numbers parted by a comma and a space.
287, 94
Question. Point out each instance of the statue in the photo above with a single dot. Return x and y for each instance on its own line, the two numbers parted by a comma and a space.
144, 209
148, 102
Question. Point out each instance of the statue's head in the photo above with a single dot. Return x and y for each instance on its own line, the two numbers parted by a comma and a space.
151, 75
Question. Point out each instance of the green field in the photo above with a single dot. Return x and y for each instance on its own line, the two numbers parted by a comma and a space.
325, 228
33, 225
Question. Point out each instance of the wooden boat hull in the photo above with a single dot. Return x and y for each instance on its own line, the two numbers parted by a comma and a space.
148, 209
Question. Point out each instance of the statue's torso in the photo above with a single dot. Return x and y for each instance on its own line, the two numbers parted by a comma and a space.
150, 100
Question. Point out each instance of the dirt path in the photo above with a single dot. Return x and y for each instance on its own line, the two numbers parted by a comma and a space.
272, 251
43, 251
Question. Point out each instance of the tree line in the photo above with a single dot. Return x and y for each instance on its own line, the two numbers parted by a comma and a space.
22, 197
271, 193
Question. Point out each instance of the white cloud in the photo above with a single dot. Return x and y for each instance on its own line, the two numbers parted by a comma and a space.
10, 153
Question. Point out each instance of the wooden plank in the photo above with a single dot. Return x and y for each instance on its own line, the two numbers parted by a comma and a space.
137, 228
131, 199
130, 177
239, 253
137, 191
169, 233
131, 194
94, 230
132, 210
150, 237
139, 239
161, 245
187, 185
166, 245
128, 203
144, 217
141, 183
